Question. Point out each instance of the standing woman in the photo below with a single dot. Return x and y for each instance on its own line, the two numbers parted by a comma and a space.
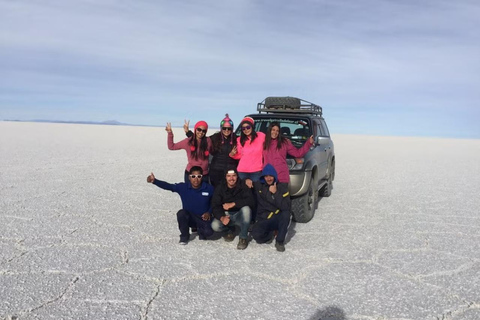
196, 147
249, 151
275, 151
222, 143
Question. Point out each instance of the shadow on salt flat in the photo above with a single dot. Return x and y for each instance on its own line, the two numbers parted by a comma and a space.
329, 313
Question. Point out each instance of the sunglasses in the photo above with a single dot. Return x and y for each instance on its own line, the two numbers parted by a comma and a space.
246, 128
199, 176
227, 128
201, 130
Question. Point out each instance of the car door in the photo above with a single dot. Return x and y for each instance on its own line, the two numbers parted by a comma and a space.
322, 148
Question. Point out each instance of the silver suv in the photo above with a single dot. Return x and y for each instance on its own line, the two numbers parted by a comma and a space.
311, 176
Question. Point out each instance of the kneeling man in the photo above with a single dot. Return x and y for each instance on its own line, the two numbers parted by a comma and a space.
196, 204
231, 205
273, 208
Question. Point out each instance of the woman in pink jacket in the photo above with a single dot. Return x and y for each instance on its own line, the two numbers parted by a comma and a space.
275, 151
249, 151
197, 148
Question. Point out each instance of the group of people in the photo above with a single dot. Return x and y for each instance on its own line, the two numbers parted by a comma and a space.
246, 182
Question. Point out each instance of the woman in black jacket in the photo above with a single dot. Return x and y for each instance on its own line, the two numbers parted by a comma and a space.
222, 143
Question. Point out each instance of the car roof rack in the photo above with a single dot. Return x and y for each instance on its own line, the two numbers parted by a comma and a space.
288, 105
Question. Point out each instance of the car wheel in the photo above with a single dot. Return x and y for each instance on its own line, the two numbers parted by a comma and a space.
303, 208
327, 189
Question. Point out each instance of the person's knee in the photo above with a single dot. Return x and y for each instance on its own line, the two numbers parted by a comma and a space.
182, 214
207, 232
246, 214
257, 234
217, 225
261, 235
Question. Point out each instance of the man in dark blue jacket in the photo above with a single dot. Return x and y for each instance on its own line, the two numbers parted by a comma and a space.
196, 208
273, 208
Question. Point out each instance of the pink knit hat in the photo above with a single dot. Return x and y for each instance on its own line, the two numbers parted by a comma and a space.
247, 119
226, 119
201, 123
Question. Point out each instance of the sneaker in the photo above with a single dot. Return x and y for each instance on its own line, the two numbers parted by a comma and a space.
280, 246
229, 237
242, 244
182, 242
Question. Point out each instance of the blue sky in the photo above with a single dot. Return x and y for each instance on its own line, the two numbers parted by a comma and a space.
409, 68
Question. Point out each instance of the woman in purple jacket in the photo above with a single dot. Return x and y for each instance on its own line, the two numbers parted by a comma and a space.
276, 147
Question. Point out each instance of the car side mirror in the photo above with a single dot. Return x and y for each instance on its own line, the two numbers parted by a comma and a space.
322, 140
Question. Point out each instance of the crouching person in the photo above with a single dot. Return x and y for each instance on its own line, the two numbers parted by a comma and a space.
273, 208
231, 205
196, 208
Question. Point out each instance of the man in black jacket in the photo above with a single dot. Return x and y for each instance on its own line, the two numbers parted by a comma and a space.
273, 208
231, 205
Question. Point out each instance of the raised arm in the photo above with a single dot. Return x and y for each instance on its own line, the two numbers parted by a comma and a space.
172, 145
299, 152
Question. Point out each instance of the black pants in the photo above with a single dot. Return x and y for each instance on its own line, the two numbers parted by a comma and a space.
264, 228
187, 220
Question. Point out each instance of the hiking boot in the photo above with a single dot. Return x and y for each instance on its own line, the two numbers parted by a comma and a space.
242, 244
229, 237
280, 246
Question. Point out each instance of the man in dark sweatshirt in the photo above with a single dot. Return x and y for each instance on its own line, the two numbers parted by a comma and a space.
273, 208
231, 205
196, 209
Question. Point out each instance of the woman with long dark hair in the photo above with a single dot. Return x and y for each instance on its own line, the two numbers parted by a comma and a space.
197, 148
222, 143
276, 148
249, 151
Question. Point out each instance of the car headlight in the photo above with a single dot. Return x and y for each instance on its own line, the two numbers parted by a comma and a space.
295, 164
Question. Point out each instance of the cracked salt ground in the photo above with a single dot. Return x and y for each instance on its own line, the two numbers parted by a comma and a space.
83, 236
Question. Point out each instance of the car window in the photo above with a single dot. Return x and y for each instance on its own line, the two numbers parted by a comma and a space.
324, 128
297, 130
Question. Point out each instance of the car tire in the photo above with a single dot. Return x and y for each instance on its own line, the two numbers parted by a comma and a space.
327, 189
303, 207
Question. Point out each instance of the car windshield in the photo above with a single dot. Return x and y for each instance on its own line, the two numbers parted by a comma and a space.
297, 130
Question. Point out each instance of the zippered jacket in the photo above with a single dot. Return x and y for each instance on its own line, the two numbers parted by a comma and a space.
251, 154
278, 157
269, 204
240, 194
195, 201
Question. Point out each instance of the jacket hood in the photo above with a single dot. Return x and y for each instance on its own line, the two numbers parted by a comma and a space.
269, 170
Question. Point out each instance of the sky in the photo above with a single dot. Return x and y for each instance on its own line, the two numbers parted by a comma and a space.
401, 68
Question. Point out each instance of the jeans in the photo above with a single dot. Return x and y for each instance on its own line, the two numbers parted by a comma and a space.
240, 218
188, 220
254, 176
